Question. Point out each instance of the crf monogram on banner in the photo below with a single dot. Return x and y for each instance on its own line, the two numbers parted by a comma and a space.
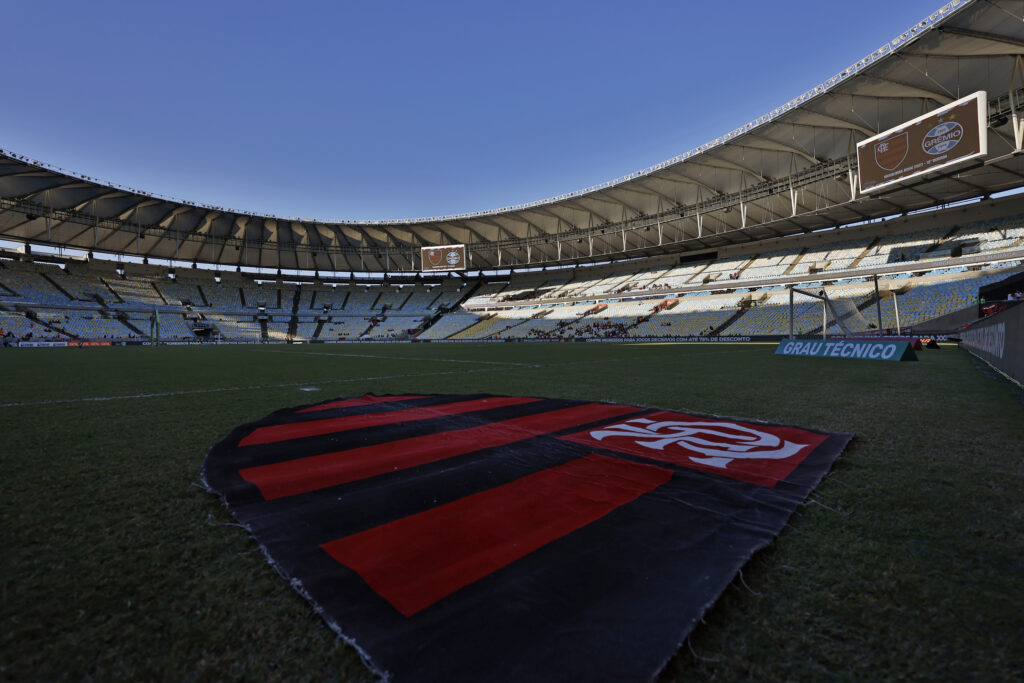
720, 442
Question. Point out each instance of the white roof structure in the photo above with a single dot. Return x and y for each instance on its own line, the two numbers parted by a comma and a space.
790, 171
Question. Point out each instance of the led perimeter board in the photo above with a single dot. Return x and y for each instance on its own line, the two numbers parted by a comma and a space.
447, 257
946, 136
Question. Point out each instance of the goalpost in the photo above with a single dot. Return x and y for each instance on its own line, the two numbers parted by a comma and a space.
820, 297
895, 306
154, 327
844, 312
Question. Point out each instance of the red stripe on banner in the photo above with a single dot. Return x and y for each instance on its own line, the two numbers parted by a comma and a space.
356, 402
415, 561
301, 475
298, 430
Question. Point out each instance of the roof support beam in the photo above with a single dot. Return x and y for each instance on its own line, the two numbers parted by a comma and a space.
811, 119
650, 190
622, 202
689, 180
891, 89
466, 226
1016, 47
591, 212
769, 145
715, 162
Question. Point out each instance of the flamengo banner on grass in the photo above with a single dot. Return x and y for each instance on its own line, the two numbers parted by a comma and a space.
871, 350
448, 257
511, 538
946, 136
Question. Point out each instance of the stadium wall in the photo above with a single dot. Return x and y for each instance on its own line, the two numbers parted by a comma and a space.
999, 341
949, 323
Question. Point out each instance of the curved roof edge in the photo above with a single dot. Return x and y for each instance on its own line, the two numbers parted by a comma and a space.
905, 38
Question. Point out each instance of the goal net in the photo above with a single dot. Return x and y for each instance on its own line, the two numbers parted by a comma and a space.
844, 313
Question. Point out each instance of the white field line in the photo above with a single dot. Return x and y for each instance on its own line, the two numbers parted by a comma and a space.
422, 360
252, 387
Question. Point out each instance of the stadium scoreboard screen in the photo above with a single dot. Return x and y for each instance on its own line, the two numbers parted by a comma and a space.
949, 135
447, 257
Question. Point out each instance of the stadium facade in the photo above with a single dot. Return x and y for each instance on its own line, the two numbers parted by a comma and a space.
776, 202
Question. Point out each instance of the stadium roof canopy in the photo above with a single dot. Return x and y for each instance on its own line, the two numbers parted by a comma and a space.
790, 171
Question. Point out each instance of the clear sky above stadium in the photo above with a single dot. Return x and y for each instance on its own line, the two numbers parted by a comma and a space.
345, 110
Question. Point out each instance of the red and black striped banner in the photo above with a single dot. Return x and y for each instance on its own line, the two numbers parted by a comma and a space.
513, 538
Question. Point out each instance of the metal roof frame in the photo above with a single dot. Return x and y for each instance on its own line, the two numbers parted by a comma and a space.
790, 171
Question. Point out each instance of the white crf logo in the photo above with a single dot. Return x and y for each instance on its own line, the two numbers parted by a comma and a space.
721, 442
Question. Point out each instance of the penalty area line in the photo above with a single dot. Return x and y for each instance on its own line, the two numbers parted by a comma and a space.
253, 387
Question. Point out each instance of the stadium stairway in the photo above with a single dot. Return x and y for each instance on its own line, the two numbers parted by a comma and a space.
640, 319
796, 261
319, 326
53, 327
404, 301
264, 333
121, 318
436, 298
636, 323
943, 240
746, 264
541, 314
429, 322
60, 289
159, 294
437, 317
867, 250
117, 297
97, 298
483, 322
211, 326
725, 325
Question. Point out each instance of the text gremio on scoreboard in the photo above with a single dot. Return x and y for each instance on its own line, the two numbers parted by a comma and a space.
946, 136
447, 257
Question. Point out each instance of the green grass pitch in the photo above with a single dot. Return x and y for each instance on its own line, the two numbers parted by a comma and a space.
117, 565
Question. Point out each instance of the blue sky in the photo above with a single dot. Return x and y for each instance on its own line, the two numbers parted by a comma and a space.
344, 110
